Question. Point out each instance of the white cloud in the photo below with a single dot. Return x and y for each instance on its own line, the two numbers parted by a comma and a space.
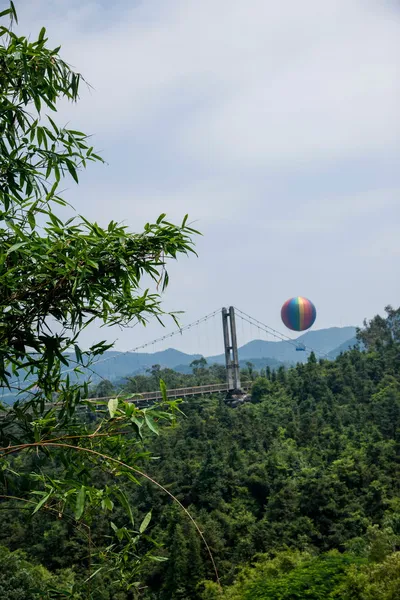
331, 212
269, 82
273, 124
333, 94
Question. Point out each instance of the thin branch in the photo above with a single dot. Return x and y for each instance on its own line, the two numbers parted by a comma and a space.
120, 462
11, 449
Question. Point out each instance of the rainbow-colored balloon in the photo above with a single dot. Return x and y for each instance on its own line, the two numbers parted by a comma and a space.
298, 313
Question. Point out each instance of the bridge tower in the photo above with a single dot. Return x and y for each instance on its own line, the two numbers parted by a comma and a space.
231, 354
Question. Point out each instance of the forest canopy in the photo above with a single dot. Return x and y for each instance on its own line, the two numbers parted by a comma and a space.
299, 487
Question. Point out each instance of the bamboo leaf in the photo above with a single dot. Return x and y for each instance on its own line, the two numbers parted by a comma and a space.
16, 247
124, 502
78, 353
163, 389
145, 523
42, 501
72, 169
112, 406
151, 424
80, 503
14, 12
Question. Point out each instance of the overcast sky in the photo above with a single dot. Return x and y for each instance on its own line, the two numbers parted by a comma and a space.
275, 125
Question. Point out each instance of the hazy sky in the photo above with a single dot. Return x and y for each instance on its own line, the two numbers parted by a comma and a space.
275, 125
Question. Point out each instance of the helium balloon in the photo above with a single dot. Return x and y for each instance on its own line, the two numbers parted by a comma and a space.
298, 314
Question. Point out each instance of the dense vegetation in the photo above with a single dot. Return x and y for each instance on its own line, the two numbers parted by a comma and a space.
296, 493
302, 483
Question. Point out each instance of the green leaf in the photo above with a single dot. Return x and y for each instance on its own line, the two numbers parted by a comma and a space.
14, 12
42, 34
151, 423
112, 406
80, 503
53, 189
113, 527
38, 104
31, 219
163, 389
78, 133
107, 503
78, 353
132, 478
67, 593
138, 423
72, 169
124, 502
16, 247
42, 501
53, 125
144, 524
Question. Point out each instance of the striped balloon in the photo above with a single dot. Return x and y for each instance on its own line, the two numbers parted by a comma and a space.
298, 313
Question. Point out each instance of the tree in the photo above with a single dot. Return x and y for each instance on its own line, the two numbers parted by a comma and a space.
21, 580
250, 368
198, 365
260, 388
381, 331
104, 389
379, 580
56, 277
155, 372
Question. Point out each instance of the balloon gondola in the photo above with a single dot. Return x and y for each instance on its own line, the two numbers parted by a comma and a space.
298, 314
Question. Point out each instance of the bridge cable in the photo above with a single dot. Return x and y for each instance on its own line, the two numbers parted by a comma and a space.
160, 339
274, 332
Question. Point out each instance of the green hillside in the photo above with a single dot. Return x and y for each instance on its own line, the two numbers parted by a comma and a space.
290, 491
297, 492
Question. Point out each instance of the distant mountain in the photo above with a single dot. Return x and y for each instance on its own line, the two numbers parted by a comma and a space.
115, 366
344, 347
326, 340
123, 364
322, 341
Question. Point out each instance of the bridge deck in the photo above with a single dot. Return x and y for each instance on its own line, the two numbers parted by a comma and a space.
201, 390
148, 397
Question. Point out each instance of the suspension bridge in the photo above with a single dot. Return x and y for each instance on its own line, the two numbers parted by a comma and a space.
232, 388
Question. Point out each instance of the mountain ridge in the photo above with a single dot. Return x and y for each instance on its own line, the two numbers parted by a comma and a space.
322, 341
279, 353
115, 365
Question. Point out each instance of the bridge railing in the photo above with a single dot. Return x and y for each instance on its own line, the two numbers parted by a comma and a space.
186, 391
148, 397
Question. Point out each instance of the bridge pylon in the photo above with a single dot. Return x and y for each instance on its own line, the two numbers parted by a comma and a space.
235, 393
